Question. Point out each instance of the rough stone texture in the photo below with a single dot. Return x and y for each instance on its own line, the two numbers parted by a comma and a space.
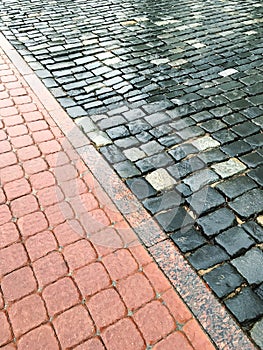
217, 221
160, 180
248, 204
246, 306
230, 167
223, 280
250, 265
174, 219
207, 256
256, 333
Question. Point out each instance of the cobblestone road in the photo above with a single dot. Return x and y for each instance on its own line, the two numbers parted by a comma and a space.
171, 94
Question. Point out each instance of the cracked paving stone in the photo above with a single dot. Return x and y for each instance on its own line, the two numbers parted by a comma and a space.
248, 204
235, 240
254, 230
216, 221
223, 279
235, 187
250, 266
256, 333
207, 256
126, 169
166, 201
161, 180
174, 219
246, 305
257, 175
141, 188
188, 239
205, 200
200, 179
229, 168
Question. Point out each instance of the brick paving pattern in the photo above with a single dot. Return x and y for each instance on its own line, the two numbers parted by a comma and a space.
61, 286
171, 95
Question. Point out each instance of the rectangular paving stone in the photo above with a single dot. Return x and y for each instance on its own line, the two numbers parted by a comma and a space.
248, 204
235, 187
223, 279
216, 221
188, 239
229, 168
174, 219
165, 201
200, 179
161, 180
257, 175
250, 266
207, 256
255, 230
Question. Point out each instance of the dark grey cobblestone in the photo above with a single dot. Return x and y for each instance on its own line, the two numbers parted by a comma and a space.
148, 91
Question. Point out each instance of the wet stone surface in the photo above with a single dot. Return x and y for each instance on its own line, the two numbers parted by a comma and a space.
172, 87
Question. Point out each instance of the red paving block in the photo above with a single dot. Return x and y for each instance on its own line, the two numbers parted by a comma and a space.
42, 337
83, 203
155, 275
174, 341
2, 196
11, 173
5, 332
65, 172
27, 314
133, 296
73, 188
27, 153
197, 336
17, 130
50, 195
73, 326
3, 135
24, 205
13, 120
7, 102
176, 306
32, 116
5, 146
120, 264
21, 100
92, 344
12, 258
106, 307
5, 214
141, 255
42, 136
1, 301
123, 335
60, 296
27, 107
37, 125
18, 284
58, 213
8, 347
154, 327
16, 92
8, 111
22, 141
79, 254
39, 245
42, 180
9, 234
57, 159
34, 166
49, 268
69, 232
91, 279
106, 241
95, 220
17, 188
7, 159
32, 223
49, 147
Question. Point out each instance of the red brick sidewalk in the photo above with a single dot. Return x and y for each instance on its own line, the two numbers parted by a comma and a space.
73, 273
